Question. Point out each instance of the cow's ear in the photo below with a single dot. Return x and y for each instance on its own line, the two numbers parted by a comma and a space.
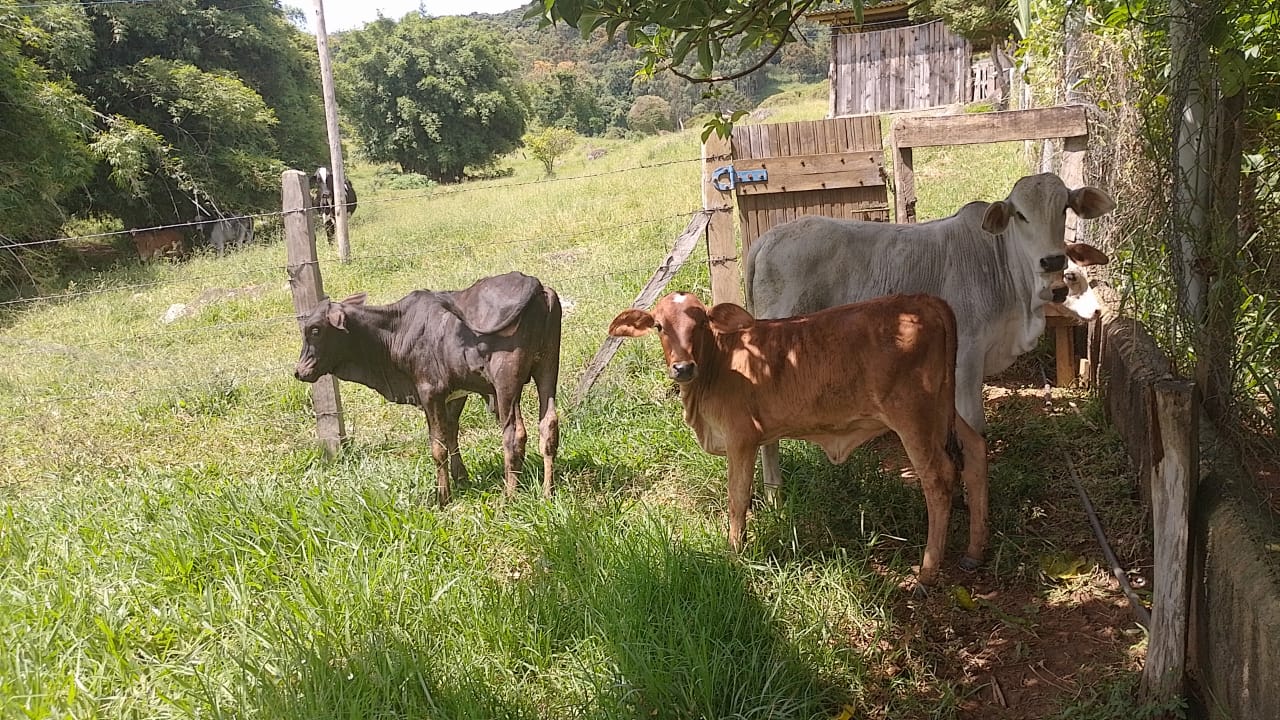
1090, 202
357, 299
336, 316
1084, 255
729, 318
631, 323
997, 216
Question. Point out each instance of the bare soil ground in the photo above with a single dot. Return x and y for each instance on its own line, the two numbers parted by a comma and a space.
1020, 642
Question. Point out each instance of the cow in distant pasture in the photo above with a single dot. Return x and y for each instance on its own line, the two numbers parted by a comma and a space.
225, 232
325, 201
158, 243
431, 349
837, 378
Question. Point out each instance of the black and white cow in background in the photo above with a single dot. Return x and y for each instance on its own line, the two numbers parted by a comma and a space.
325, 203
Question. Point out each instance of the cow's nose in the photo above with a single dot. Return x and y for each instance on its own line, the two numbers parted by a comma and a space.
1059, 295
683, 371
1053, 263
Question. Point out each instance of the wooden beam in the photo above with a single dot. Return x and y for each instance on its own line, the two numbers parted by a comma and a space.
308, 289
679, 253
1035, 124
904, 183
1175, 471
722, 248
796, 173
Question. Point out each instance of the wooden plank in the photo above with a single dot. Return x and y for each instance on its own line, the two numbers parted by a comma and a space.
1174, 475
1035, 124
1073, 149
795, 173
904, 184
1064, 355
722, 248
303, 267
680, 252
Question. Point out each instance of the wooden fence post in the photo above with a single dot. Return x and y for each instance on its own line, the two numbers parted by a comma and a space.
722, 248
1175, 471
308, 289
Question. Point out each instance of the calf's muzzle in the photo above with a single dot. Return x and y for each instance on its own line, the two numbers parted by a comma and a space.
682, 372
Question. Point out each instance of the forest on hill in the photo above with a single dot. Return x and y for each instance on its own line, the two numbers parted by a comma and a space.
141, 114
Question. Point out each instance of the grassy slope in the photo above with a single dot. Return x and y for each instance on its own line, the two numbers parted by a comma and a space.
171, 543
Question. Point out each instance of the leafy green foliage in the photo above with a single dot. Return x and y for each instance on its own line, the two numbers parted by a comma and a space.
564, 96
548, 144
229, 95
432, 95
649, 114
980, 22
670, 32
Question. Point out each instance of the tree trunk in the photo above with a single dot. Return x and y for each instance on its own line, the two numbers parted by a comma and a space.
1215, 364
1192, 160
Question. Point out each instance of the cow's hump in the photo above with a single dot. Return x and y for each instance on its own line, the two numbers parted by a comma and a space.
493, 303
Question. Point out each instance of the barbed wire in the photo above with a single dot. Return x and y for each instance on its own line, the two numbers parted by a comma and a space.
359, 258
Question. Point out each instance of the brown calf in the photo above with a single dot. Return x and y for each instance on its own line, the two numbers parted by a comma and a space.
837, 378
152, 244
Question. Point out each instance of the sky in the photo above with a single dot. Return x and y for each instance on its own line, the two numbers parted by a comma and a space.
349, 14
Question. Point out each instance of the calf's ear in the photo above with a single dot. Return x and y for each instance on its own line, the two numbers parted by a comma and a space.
1090, 202
631, 323
729, 318
996, 218
1084, 255
357, 299
336, 316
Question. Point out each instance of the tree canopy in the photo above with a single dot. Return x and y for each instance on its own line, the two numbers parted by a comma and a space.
434, 95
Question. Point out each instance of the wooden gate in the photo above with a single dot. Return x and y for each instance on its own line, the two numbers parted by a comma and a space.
779, 172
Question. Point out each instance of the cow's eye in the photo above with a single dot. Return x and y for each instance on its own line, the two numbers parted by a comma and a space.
1018, 214
657, 326
315, 332
1070, 277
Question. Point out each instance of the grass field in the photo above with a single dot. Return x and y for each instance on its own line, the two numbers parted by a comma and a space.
172, 543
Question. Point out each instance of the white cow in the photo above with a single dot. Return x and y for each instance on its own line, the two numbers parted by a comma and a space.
224, 232
995, 263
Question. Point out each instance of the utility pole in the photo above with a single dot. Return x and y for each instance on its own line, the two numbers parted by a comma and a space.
335, 139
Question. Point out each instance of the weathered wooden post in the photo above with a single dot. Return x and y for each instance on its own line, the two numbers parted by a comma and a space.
1175, 471
722, 249
308, 289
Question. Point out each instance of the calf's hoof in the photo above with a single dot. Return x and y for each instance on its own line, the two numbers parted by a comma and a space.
968, 564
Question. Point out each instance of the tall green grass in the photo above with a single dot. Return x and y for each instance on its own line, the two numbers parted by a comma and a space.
172, 543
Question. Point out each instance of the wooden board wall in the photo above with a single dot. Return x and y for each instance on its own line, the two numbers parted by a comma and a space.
910, 68
858, 137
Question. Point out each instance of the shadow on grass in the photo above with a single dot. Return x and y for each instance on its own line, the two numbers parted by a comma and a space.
614, 616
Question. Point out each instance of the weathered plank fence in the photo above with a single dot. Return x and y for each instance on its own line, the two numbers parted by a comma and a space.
911, 68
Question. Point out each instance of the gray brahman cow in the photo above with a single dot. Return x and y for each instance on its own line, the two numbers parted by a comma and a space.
995, 263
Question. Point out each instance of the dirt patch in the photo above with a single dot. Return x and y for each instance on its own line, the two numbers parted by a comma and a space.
1025, 644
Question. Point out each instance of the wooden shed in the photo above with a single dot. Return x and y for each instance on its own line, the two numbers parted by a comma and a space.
883, 63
